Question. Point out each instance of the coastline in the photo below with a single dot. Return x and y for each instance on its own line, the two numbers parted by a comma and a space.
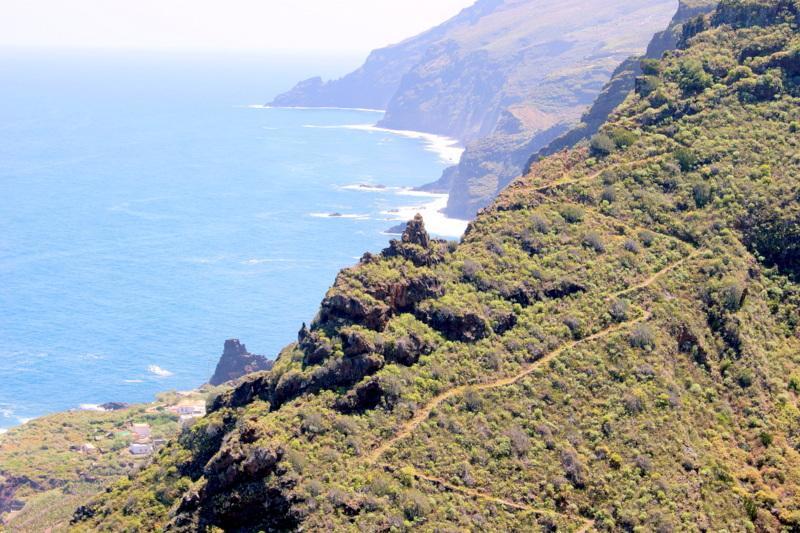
449, 151
407, 202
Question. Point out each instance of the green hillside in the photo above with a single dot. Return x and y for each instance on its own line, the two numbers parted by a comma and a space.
614, 344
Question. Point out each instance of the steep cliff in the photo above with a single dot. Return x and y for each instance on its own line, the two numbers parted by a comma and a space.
624, 78
612, 346
490, 164
540, 61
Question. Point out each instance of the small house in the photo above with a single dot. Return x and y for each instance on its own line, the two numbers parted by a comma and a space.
191, 409
141, 448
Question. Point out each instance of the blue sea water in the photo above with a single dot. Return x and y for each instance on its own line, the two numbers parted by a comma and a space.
147, 214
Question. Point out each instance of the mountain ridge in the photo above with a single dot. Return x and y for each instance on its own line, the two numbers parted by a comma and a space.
612, 345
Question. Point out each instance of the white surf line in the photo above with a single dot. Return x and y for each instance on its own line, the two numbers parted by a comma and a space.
436, 222
448, 149
311, 108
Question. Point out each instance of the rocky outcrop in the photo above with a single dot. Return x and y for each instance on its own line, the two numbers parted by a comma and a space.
236, 362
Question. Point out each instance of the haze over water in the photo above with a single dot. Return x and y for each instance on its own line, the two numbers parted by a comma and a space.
149, 212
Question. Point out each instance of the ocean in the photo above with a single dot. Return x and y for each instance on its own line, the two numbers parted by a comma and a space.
151, 207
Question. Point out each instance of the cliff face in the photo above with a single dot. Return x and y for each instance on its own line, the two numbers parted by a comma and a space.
612, 346
489, 165
624, 78
237, 362
541, 61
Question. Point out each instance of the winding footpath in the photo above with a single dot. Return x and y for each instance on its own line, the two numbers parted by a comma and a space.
424, 413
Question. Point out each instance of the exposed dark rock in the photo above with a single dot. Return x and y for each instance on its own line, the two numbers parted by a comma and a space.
416, 245
114, 406
689, 343
236, 362
562, 289
457, 326
351, 308
362, 398
408, 349
244, 490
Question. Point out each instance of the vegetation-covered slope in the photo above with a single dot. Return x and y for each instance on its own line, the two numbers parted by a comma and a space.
51, 465
614, 344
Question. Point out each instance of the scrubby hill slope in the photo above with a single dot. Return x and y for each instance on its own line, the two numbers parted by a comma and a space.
614, 344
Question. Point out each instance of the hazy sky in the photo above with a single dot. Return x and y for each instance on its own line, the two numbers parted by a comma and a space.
301, 25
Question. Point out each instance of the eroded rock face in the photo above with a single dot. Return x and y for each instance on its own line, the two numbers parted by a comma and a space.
245, 489
236, 362
416, 245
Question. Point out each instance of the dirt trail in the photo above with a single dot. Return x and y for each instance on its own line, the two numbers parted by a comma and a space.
658, 275
422, 414
493, 499
593, 176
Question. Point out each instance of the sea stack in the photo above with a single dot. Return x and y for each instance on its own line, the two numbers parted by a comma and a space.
236, 362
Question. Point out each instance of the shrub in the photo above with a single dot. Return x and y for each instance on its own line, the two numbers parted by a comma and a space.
692, 78
416, 505
520, 442
733, 296
650, 67
745, 379
575, 327
702, 194
686, 159
572, 214
540, 224
631, 246
634, 403
473, 401
619, 310
595, 242
470, 269
642, 336
602, 145
623, 138
609, 195
647, 85
647, 237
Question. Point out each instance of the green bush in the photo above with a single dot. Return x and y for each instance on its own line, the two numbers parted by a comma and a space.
692, 77
642, 336
602, 145
572, 214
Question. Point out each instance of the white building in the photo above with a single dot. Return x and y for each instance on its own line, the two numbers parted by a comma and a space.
190, 409
141, 448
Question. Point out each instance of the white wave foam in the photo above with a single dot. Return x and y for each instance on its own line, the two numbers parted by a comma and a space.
132, 381
6, 412
448, 149
3, 430
436, 222
339, 215
91, 407
367, 187
323, 108
158, 371
23, 421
